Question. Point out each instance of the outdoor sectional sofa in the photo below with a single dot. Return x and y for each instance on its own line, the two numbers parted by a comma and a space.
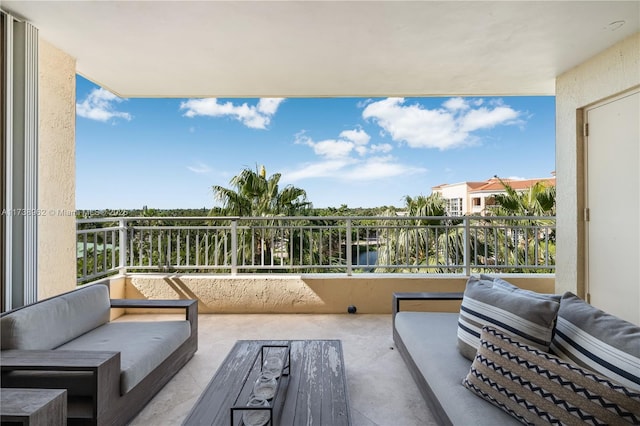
109, 369
574, 365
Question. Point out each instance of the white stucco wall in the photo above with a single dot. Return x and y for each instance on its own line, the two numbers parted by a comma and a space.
56, 172
457, 190
613, 71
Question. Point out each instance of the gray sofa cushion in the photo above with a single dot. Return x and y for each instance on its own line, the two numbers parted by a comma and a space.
598, 340
142, 345
430, 338
51, 323
525, 314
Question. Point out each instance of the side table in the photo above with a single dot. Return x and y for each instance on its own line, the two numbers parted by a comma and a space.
33, 407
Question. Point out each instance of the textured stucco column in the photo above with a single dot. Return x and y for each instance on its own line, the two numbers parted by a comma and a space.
611, 72
56, 172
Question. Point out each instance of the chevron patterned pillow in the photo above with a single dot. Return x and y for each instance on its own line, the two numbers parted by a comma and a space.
537, 387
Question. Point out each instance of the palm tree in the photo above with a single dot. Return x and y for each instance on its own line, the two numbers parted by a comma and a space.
254, 195
433, 205
424, 242
521, 237
538, 200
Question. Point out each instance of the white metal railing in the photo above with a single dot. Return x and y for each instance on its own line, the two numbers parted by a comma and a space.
315, 244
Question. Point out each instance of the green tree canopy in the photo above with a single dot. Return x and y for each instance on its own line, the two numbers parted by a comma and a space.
433, 205
538, 200
253, 194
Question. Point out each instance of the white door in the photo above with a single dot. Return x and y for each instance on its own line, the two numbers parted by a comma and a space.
613, 202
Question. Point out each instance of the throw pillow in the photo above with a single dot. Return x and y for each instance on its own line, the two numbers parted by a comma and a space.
508, 285
528, 315
597, 340
497, 281
536, 387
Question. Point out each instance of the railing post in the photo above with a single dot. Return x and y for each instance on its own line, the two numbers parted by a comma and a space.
465, 239
234, 247
348, 249
122, 224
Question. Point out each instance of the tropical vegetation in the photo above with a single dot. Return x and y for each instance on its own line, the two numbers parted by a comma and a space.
519, 243
435, 242
253, 194
538, 200
252, 228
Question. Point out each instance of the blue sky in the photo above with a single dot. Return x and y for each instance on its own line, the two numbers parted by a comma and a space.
362, 152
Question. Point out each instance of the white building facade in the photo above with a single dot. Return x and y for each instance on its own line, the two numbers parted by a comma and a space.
475, 198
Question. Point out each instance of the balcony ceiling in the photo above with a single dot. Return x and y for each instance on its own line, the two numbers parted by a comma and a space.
328, 48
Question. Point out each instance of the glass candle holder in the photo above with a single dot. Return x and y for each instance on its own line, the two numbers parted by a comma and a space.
256, 417
273, 365
265, 386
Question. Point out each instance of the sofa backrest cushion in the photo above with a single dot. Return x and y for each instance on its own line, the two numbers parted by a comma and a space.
598, 340
528, 315
53, 322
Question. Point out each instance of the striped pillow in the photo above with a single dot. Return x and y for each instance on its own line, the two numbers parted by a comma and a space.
529, 316
506, 284
597, 340
536, 387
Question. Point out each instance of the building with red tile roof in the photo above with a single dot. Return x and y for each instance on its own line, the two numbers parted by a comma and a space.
474, 198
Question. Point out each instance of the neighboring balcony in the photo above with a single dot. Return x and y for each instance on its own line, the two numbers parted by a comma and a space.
310, 264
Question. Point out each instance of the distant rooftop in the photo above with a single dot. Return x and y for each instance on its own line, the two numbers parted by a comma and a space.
494, 184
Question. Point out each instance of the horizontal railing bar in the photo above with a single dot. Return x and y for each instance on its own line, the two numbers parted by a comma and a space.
323, 218
89, 231
98, 274
339, 244
165, 227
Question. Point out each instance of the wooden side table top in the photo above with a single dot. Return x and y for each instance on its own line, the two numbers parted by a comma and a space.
34, 406
314, 393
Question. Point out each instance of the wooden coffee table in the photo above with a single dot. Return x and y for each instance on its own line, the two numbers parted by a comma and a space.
314, 392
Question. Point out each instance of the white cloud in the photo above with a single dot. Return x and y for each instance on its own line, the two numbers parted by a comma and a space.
333, 148
328, 168
349, 141
383, 147
364, 102
99, 105
484, 118
361, 150
269, 106
349, 169
357, 136
200, 168
456, 104
379, 168
442, 128
349, 158
255, 117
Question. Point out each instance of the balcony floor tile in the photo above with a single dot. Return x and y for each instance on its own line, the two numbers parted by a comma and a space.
381, 389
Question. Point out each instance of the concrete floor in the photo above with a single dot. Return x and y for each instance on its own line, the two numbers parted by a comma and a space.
381, 390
